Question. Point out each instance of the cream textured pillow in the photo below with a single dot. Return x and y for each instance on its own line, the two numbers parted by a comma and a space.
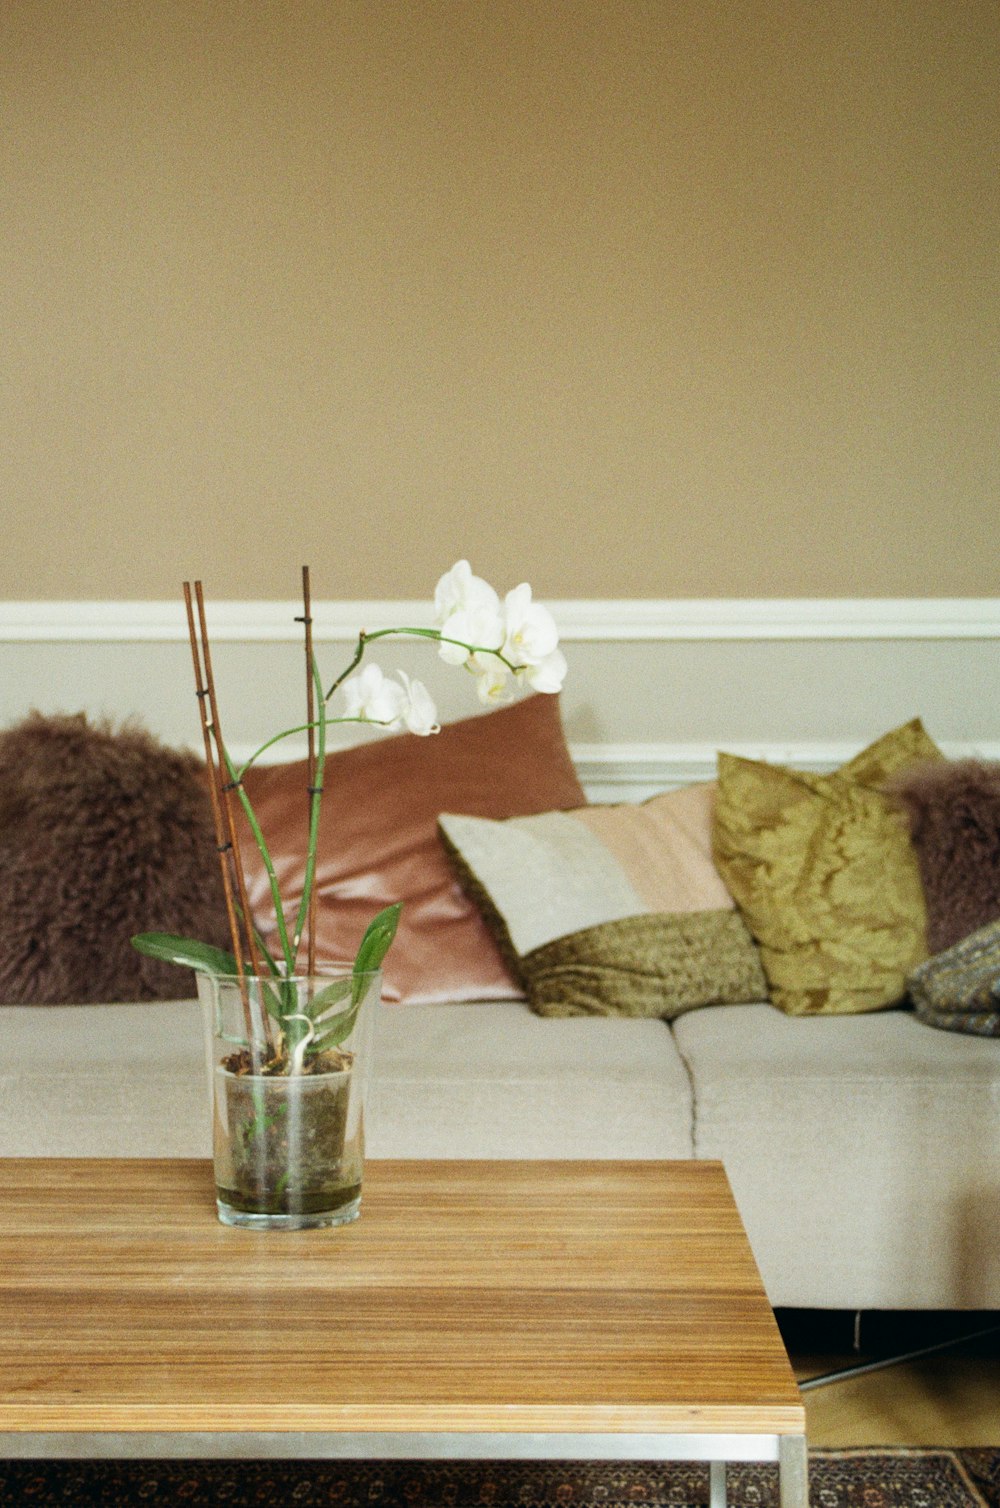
823, 870
613, 910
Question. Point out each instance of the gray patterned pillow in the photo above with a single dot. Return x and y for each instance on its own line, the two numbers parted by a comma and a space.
959, 989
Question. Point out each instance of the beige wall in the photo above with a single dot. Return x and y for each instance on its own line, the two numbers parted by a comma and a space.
675, 298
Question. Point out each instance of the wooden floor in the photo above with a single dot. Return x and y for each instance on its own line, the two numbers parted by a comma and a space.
948, 1399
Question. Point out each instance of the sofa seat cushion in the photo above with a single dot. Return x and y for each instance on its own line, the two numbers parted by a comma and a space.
491, 1080
499, 1081
862, 1151
104, 1081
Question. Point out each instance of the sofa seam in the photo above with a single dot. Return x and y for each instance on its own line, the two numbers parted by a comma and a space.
691, 1085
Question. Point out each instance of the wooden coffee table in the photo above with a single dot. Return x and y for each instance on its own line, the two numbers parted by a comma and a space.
601, 1310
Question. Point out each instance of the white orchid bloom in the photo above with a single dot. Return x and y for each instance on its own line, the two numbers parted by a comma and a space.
476, 627
490, 640
549, 674
530, 629
491, 680
460, 591
374, 698
419, 712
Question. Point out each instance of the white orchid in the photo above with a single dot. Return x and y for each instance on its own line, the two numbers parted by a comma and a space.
548, 675
460, 591
491, 681
372, 697
493, 640
468, 629
530, 632
467, 611
419, 712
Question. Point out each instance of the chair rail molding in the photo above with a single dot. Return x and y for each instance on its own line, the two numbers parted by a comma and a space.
663, 683
597, 620
633, 772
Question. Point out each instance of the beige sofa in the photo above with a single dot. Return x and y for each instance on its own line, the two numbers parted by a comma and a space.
864, 1151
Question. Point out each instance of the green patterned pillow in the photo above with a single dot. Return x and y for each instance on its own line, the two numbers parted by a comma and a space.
610, 910
823, 871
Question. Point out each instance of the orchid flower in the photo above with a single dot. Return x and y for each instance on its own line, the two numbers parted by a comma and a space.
491, 682
459, 591
419, 712
372, 698
478, 626
530, 629
548, 675
493, 640
467, 611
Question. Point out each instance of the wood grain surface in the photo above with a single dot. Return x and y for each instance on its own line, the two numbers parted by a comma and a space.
480, 1296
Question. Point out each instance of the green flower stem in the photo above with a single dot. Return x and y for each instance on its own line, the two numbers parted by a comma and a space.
288, 733
474, 649
356, 659
265, 854
303, 728
364, 638
261, 944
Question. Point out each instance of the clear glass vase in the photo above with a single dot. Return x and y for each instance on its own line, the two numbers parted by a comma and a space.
288, 1068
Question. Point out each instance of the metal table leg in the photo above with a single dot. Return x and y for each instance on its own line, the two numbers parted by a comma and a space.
793, 1471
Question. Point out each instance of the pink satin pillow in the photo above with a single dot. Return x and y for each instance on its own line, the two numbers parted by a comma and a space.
378, 842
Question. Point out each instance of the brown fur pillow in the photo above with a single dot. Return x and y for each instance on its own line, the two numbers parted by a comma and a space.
103, 833
954, 813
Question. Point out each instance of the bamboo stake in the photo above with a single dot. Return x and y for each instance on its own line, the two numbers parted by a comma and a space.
311, 763
227, 789
224, 847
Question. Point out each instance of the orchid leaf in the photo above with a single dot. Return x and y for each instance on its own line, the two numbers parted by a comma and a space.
338, 1028
377, 939
334, 1028
337, 1034
271, 995
336, 1031
186, 951
330, 995
374, 946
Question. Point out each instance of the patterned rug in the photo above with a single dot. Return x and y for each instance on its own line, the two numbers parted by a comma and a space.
837, 1479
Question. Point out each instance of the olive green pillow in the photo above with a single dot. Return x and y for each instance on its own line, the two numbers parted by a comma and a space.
825, 876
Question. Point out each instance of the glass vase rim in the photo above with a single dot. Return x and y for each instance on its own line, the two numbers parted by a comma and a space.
327, 973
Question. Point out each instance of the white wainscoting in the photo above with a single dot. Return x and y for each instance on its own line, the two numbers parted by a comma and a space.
655, 687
